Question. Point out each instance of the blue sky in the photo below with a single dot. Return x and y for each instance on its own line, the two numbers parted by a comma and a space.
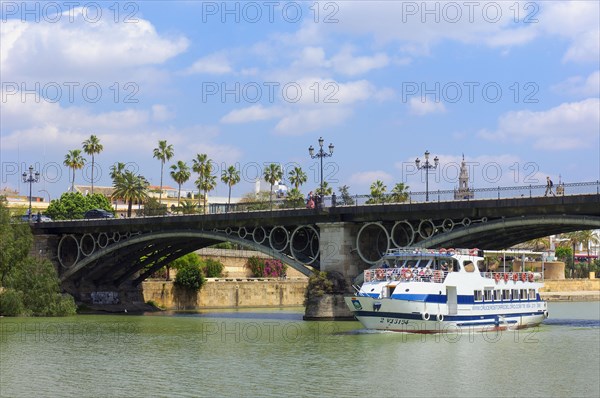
515, 86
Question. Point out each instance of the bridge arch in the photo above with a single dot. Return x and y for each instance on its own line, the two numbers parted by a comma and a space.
164, 247
506, 232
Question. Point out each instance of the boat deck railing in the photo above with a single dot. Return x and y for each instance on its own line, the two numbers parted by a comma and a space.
405, 275
513, 276
438, 276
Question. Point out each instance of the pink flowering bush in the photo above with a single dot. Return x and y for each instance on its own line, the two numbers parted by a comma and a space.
269, 268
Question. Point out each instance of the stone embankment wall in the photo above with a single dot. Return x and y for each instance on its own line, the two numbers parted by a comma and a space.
228, 293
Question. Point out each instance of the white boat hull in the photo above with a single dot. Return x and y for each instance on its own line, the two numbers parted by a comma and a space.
419, 317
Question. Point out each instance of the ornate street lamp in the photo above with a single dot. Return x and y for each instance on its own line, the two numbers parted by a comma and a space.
427, 166
321, 154
30, 178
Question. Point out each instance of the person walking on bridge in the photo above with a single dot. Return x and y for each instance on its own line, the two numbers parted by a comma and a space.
549, 186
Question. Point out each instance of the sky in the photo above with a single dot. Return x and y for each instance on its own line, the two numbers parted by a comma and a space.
512, 86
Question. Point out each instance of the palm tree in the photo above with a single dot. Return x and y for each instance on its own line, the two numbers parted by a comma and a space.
163, 153
231, 176
585, 238
400, 193
131, 187
297, 177
180, 173
92, 146
294, 199
206, 184
203, 166
188, 207
116, 170
74, 161
273, 174
325, 190
378, 189
345, 194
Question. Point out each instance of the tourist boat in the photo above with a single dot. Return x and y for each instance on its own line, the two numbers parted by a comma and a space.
445, 290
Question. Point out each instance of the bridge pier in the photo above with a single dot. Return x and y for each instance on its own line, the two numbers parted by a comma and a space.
338, 257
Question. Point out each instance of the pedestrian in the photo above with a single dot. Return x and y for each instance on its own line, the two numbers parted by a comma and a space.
310, 201
549, 186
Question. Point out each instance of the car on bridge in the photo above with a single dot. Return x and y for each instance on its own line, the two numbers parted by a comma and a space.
34, 218
98, 213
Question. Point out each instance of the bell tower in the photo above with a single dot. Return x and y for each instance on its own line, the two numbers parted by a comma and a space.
463, 192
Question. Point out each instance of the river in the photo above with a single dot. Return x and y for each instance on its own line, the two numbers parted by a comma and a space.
273, 353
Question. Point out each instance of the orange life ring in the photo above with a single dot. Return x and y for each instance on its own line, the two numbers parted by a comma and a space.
443, 251
450, 251
530, 277
407, 274
497, 277
367, 276
515, 277
473, 252
506, 277
524, 277
379, 274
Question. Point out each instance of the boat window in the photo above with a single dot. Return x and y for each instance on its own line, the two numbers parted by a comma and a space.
523, 294
532, 294
478, 295
481, 265
497, 295
487, 294
515, 294
469, 266
506, 295
411, 263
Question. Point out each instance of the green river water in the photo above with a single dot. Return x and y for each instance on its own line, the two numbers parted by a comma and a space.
274, 353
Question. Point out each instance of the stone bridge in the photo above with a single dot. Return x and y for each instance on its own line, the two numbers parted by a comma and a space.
105, 261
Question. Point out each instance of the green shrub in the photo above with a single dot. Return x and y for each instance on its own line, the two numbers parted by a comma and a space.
190, 278
213, 268
256, 266
11, 303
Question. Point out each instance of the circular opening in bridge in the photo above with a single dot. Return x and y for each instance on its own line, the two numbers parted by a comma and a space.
466, 221
116, 237
228, 230
426, 229
259, 235
403, 234
102, 240
87, 244
68, 251
372, 241
304, 244
279, 238
242, 232
447, 225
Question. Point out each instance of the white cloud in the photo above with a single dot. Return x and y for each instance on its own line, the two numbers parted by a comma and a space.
422, 108
369, 177
251, 114
304, 120
161, 113
348, 64
581, 86
214, 64
567, 126
79, 50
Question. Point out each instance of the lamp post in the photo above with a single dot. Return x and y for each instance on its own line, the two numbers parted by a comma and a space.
321, 154
30, 178
427, 166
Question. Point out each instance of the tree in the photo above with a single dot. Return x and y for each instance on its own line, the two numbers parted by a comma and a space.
206, 184
399, 193
92, 146
231, 176
297, 177
378, 189
346, 198
164, 152
152, 208
326, 190
74, 161
272, 175
186, 207
180, 172
190, 277
73, 205
131, 187
203, 166
117, 169
15, 241
29, 286
294, 199
252, 201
